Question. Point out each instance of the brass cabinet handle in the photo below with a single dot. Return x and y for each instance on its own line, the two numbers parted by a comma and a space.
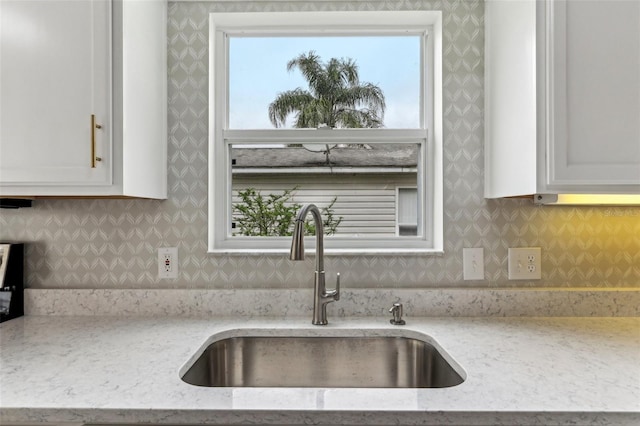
94, 126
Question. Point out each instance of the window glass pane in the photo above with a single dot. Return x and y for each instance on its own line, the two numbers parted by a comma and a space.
355, 184
258, 76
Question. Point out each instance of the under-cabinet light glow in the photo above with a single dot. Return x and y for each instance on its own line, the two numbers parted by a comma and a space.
598, 199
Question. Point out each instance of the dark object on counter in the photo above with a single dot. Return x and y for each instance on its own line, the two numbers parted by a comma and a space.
14, 203
11, 281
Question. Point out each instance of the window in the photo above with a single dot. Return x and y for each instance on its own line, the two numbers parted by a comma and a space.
365, 146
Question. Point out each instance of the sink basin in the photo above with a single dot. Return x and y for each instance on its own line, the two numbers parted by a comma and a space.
340, 362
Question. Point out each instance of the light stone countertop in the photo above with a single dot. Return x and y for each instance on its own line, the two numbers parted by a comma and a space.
449, 302
118, 369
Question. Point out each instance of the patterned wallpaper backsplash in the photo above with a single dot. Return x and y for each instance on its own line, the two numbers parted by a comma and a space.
113, 243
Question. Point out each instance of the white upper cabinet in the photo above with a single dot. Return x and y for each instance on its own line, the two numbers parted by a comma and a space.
594, 71
562, 97
55, 75
83, 98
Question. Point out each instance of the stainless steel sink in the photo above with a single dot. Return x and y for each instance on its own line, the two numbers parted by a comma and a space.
341, 362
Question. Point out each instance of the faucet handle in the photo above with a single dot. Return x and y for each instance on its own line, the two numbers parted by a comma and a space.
337, 294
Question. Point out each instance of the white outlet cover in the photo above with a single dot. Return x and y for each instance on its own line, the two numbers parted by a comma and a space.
525, 263
473, 263
170, 254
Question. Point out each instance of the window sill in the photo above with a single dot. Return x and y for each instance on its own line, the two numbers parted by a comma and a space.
329, 252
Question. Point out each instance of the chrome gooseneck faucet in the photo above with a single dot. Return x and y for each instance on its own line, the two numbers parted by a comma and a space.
321, 295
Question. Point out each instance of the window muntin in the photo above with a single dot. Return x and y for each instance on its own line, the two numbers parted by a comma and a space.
222, 137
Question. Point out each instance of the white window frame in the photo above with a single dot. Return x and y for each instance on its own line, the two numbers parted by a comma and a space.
430, 171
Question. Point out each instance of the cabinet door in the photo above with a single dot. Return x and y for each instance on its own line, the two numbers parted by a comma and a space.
54, 75
594, 94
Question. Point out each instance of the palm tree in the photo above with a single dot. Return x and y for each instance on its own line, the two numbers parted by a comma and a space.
335, 98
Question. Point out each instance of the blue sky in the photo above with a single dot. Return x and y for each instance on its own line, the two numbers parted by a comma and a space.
258, 72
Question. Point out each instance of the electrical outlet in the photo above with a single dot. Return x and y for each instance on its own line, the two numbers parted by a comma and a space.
473, 263
168, 263
525, 263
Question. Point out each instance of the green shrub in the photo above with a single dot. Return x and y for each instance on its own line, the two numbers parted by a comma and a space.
273, 215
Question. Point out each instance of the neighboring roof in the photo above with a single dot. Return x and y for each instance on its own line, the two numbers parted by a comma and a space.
349, 156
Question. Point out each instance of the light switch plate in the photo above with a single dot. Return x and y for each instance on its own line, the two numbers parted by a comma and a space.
473, 263
525, 263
